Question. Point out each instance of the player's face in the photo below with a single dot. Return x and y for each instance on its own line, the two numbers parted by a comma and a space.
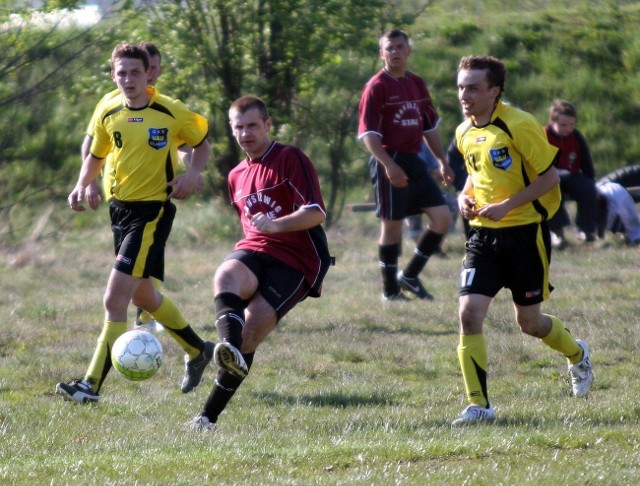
395, 52
251, 131
477, 98
131, 78
155, 70
563, 125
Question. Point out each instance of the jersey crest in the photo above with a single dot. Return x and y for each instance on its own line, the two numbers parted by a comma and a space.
501, 158
158, 138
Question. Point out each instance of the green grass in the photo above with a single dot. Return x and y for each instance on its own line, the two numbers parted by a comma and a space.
346, 391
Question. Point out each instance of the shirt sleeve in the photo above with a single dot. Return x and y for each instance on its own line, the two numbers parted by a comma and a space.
195, 127
531, 141
304, 180
370, 114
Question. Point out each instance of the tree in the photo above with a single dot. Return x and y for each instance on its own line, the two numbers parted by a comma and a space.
286, 51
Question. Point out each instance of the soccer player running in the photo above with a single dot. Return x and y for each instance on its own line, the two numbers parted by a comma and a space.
95, 194
511, 191
139, 129
282, 258
396, 114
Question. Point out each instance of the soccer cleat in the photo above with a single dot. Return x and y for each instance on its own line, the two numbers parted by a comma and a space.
475, 414
586, 237
558, 242
78, 391
399, 297
414, 286
581, 372
228, 357
194, 369
201, 423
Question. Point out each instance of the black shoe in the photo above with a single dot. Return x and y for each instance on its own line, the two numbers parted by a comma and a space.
414, 286
78, 391
194, 369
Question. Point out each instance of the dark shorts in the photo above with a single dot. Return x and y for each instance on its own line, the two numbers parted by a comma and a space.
516, 258
282, 286
421, 192
140, 233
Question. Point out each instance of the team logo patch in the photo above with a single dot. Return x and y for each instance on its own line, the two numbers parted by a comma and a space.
124, 259
158, 137
501, 158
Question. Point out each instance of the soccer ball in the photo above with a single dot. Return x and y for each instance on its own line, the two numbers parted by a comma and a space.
137, 355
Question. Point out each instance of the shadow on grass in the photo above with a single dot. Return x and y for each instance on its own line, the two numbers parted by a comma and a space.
339, 400
370, 328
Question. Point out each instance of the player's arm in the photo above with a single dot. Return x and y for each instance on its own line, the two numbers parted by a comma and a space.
396, 175
433, 141
302, 219
184, 154
538, 188
466, 200
186, 183
88, 173
94, 193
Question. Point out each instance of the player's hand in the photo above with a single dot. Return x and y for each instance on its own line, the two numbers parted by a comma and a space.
94, 195
183, 185
397, 176
262, 223
76, 197
494, 212
446, 173
466, 205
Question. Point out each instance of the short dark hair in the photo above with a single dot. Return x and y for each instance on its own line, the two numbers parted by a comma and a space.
151, 49
393, 34
496, 71
130, 51
561, 107
246, 103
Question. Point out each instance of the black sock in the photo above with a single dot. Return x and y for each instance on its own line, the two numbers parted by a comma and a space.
224, 387
427, 245
388, 255
230, 317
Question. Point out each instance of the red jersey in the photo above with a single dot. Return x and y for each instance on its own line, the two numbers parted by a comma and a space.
280, 182
574, 154
399, 110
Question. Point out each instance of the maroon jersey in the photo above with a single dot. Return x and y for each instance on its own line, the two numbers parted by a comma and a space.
280, 182
399, 110
574, 154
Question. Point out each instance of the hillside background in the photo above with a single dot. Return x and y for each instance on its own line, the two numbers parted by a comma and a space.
309, 59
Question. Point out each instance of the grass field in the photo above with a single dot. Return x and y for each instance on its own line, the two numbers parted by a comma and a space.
346, 391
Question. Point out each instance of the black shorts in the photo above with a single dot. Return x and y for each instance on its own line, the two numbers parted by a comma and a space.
140, 233
516, 258
420, 193
281, 285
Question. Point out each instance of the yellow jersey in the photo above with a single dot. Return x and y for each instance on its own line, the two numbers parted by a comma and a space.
142, 143
504, 157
